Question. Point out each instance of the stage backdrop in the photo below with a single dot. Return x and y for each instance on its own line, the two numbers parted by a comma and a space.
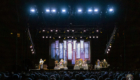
69, 50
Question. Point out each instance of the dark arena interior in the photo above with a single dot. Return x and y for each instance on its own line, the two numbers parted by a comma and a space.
70, 40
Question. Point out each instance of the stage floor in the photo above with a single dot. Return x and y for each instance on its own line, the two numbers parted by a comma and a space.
57, 70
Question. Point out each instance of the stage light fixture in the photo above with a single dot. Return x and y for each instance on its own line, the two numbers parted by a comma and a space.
43, 30
89, 36
67, 36
96, 36
63, 10
95, 10
46, 36
32, 10
31, 49
31, 46
11, 33
50, 37
47, 10
72, 37
90, 10
67, 30
108, 49
51, 30
93, 36
111, 10
84, 30
107, 52
79, 10
80, 36
72, 30
97, 30
43, 37
59, 36
109, 46
53, 10
56, 30
32, 52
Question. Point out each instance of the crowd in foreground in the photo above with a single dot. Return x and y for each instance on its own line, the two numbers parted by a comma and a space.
68, 75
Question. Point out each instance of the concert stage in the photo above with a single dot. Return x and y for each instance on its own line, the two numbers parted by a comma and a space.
103, 69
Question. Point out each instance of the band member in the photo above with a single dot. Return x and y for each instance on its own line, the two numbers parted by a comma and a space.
98, 62
61, 62
104, 63
80, 63
65, 63
41, 62
56, 63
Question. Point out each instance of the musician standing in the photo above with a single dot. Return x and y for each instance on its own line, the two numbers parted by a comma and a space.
41, 62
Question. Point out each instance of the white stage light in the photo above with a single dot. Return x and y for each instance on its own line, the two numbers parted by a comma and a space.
56, 30
59, 36
90, 10
53, 10
95, 10
32, 52
108, 49
43, 37
72, 37
80, 36
97, 30
67, 36
110, 46
110, 9
46, 36
50, 37
32, 10
31, 46
43, 30
96, 36
84, 30
67, 30
89, 36
31, 49
93, 36
107, 52
63, 10
79, 10
72, 30
47, 10
51, 30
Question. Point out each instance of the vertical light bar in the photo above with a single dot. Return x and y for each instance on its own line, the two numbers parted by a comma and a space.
82, 43
65, 47
78, 50
53, 50
82, 49
57, 50
69, 49
86, 50
74, 51
61, 50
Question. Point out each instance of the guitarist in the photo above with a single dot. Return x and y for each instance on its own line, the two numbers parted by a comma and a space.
41, 62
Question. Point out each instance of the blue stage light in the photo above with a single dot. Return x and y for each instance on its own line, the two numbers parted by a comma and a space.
63, 10
90, 10
47, 10
53, 10
110, 9
79, 10
32, 10
95, 10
